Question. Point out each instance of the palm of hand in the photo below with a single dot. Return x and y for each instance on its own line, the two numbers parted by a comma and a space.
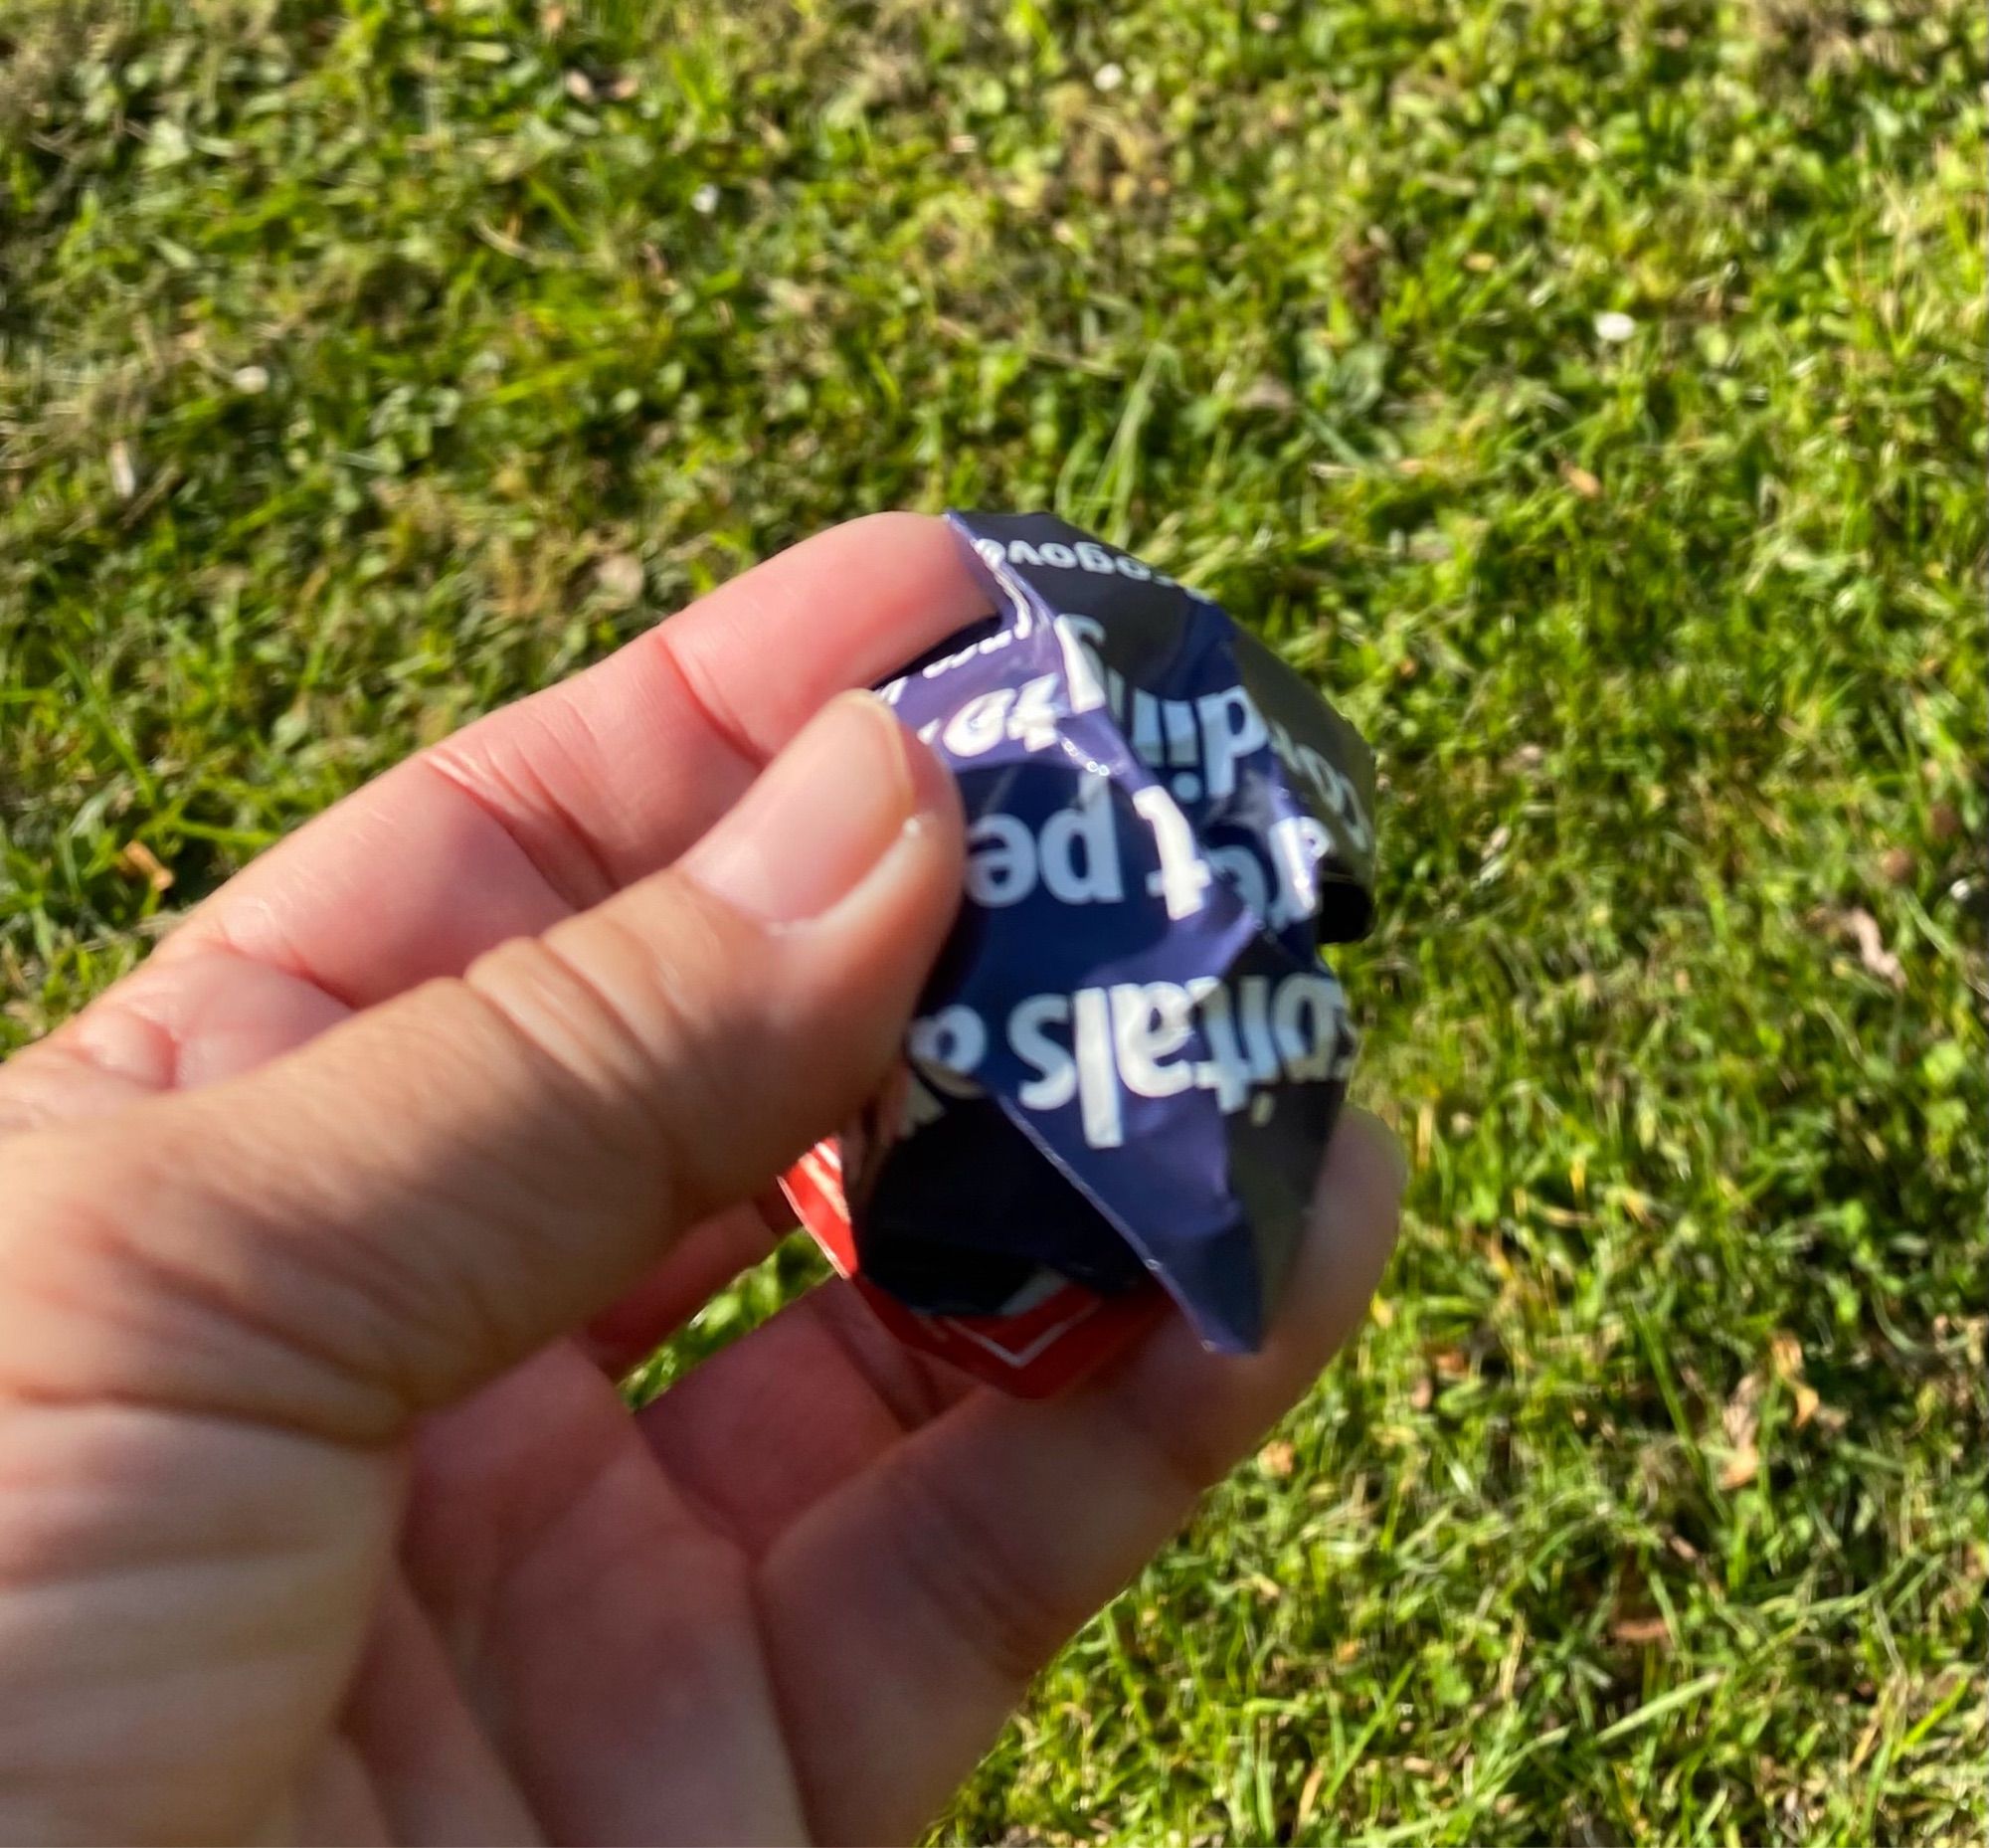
655, 1628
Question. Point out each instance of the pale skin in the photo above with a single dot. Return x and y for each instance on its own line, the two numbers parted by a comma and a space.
325, 1235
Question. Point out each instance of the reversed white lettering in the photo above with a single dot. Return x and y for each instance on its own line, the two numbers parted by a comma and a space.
1089, 555
1027, 716
1083, 833
1260, 1051
1001, 860
1231, 729
1305, 1016
1055, 1081
1129, 1039
948, 1045
1149, 1024
1075, 857
1182, 875
1097, 1081
1078, 637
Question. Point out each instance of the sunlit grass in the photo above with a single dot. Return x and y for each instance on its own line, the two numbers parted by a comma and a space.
1588, 392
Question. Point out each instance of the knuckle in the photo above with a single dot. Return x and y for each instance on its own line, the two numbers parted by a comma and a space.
586, 1041
617, 1036
516, 787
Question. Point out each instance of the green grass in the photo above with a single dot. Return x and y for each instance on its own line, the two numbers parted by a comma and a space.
339, 349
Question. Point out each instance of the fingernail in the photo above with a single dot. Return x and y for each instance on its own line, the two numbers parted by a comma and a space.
820, 816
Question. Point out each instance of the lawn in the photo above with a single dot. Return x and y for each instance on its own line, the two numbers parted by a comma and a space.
1588, 392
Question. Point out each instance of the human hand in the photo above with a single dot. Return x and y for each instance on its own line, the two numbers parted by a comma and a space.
325, 1235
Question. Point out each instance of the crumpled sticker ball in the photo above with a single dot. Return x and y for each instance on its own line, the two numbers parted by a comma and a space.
1127, 1059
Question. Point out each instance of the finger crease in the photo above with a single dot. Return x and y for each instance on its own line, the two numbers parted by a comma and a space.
574, 872
905, 1391
712, 711
646, 1075
788, 1723
953, 1561
1187, 1471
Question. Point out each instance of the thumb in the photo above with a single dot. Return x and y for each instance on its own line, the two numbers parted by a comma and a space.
379, 1221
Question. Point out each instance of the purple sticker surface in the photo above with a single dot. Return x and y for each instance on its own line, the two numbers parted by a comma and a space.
1131, 1053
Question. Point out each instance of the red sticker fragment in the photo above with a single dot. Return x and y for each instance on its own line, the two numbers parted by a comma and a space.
1053, 1335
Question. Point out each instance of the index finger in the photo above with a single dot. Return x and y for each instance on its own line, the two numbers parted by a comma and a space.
548, 805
